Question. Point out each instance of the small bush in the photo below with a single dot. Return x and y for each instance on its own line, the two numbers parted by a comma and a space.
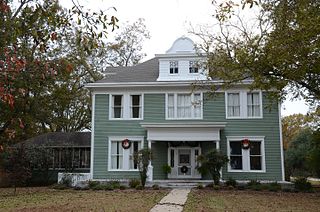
59, 186
200, 186
122, 187
93, 184
210, 185
231, 182
114, 184
66, 180
241, 187
139, 187
216, 187
99, 187
155, 187
253, 183
133, 183
274, 187
108, 187
301, 184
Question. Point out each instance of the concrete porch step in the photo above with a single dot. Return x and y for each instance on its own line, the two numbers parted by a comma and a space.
179, 183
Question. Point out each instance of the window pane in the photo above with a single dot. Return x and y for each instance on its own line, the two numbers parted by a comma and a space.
236, 162
172, 157
184, 106
255, 163
235, 148
233, 104
255, 148
117, 106
253, 102
173, 67
197, 105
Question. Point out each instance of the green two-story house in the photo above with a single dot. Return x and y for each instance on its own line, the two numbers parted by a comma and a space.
154, 105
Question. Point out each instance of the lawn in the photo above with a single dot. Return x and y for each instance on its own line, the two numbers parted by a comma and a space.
229, 200
45, 199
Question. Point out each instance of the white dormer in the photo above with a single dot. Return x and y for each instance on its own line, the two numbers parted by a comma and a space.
181, 62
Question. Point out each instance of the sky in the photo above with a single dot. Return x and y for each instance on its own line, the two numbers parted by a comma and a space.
168, 20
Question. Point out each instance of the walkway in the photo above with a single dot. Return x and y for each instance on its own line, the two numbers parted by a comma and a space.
173, 202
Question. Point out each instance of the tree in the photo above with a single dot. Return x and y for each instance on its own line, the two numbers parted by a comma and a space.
211, 163
126, 48
314, 156
280, 53
142, 158
297, 154
293, 124
42, 70
17, 166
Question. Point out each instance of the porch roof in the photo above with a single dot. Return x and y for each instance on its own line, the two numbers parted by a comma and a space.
184, 131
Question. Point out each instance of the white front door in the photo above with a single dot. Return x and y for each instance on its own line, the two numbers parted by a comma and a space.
183, 162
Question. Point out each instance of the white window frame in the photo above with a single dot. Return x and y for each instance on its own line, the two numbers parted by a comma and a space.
175, 105
126, 152
174, 61
193, 64
126, 100
243, 104
246, 154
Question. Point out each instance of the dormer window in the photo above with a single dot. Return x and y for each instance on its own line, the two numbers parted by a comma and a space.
193, 67
174, 67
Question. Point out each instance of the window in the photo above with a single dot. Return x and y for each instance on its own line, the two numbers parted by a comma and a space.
233, 105
120, 158
126, 106
246, 160
253, 104
117, 106
174, 67
193, 67
71, 157
184, 106
243, 104
135, 110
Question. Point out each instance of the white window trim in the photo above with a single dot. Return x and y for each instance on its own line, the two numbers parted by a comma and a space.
125, 151
126, 113
246, 154
243, 104
174, 74
175, 106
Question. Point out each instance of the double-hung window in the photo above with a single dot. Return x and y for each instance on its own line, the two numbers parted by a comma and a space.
193, 67
243, 104
184, 106
126, 106
174, 67
253, 104
246, 160
233, 105
123, 159
117, 106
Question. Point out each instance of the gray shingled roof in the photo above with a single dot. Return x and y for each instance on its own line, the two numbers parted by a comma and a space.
144, 72
61, 139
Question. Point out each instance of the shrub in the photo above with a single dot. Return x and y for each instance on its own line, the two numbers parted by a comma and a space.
93, 184
253, 183
166, 169
155, 187
59, 186
108, 187
216, 187
142, 158
274, 187
98, 187
133, 183
114, 184
66, 180
139, 187
122, 187
200, 186
301, 184
231, 182
210, 185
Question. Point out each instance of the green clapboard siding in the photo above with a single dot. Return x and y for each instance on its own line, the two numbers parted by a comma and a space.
213, 111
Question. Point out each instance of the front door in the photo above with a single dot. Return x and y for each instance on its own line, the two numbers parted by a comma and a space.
183, 162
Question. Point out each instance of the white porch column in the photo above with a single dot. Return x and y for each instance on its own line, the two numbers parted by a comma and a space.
217, 145
150, 167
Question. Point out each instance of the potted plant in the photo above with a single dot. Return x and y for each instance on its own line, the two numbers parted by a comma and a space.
166, 169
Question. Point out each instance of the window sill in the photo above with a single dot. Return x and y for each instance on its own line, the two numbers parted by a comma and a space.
236, 118
123, 170
184, 118
243, 171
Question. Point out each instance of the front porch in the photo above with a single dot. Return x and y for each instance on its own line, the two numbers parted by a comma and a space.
177, 146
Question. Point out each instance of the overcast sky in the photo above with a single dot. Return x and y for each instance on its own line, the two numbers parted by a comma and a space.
167, 20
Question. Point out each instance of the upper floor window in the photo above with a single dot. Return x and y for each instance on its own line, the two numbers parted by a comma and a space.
243, 104
253, 104
184, 106
174, 67
117, 106
126, 106
233, 105
193, 67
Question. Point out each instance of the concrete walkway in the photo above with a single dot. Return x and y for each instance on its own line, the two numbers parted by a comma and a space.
173, 202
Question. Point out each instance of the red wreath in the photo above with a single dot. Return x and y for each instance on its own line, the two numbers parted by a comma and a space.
126, 143
245, 143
